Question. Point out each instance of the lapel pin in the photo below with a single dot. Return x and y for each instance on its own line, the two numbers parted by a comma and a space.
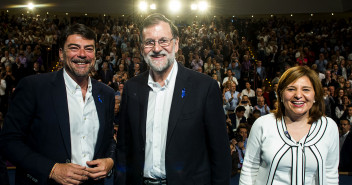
183, 93
101, 101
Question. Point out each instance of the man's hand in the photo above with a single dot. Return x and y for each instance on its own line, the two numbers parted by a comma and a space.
69, 173
100, 168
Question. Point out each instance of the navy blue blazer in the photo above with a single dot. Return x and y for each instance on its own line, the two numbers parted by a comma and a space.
197, 146
346, 154
36, 132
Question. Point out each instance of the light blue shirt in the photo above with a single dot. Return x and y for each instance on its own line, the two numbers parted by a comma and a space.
84, 122
233, 103
159, 105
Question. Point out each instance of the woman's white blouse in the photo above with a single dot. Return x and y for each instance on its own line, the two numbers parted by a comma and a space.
273, 157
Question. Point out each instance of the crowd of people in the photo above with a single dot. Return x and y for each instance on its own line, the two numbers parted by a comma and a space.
245, 56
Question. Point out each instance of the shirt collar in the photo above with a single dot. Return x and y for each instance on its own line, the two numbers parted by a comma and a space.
73, 86
152, 84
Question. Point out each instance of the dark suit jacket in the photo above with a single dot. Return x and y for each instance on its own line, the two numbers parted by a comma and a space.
106, 77
234, 121
197, 146
36, 133
346, 154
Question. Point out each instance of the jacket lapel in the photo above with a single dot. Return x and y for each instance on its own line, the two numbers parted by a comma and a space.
61, 108
143, 103
100, 100
181, 90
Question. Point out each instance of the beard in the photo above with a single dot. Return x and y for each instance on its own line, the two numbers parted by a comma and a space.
160, 66
70, 68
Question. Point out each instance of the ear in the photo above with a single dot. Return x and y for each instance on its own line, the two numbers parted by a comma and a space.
177, 40
61, 54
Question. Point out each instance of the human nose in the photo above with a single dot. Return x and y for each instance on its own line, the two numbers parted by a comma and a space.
81, 53
298, 94
157, 46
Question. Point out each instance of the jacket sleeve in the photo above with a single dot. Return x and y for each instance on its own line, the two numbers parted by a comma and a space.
219, 146
16, 127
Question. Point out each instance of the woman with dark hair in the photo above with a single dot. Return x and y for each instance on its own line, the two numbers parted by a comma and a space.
297, 144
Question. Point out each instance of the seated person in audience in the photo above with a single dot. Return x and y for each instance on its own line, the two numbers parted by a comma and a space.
254, 116
237, 118
215, 77
238, 142
197, 62
247, 105
232, 97
329, 102
106, 74
243, 131
235, 161
248, 91
348, 114
258, 93
229, 77
340, 109
273, 94
345, 146
262, 107
218, 71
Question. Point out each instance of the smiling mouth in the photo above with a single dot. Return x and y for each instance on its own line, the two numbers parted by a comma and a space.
158, 56
81, 62
298, 104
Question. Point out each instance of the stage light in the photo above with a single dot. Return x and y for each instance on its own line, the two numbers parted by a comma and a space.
153, 6
143, 6
332, 13
311, 15
66, 13
194, 6
30, 6
175, 5
203, 5
291, 15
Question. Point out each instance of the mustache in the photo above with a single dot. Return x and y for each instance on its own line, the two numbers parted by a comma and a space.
87, 61
156, 54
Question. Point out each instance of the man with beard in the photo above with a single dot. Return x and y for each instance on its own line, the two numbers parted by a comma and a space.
59, 127
172, 129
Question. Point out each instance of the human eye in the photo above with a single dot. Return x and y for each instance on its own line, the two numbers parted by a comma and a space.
73, 48
89, 49
149, 43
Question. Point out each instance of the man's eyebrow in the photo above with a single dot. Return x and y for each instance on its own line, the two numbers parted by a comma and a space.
90, 45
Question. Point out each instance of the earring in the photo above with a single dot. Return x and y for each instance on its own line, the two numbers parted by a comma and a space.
314, 101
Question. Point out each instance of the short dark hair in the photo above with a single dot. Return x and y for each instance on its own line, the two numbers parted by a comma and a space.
154, 19
79, 29
240, 109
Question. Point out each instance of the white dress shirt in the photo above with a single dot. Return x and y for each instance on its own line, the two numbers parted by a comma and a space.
84, 122
159, 104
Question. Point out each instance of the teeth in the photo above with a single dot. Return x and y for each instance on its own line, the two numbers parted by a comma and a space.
298, 103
